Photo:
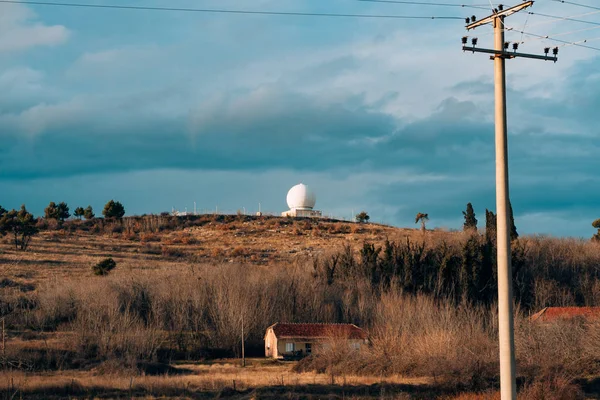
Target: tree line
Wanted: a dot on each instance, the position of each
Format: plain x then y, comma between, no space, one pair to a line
464,269
22,225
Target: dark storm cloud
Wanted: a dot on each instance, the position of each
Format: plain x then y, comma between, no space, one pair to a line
553,150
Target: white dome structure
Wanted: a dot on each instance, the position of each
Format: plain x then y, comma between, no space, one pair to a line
301,201
301,197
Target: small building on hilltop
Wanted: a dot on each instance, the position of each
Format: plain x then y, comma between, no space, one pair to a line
283,340
551,314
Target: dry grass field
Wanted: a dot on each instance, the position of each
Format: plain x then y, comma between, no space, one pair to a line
60,254
215,379
159,324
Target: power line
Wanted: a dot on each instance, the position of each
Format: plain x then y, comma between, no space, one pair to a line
565,42
566,18
560,19
577,4
562,33
221,11
420,3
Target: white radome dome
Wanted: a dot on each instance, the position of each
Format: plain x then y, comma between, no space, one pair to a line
300,196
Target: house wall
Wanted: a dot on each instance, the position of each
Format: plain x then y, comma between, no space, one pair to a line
271,344
300,344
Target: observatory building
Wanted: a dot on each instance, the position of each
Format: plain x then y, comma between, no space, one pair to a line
301,201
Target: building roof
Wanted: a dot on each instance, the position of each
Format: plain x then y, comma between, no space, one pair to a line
554,313
318,331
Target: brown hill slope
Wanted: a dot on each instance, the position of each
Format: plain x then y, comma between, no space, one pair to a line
157,243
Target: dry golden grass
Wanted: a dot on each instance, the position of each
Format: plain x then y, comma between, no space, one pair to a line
195,378
190,280
54,255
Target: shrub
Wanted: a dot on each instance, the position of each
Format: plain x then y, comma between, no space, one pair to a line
362,217
104,266
150,249
217,252
555,387
172,252
238,252
149,237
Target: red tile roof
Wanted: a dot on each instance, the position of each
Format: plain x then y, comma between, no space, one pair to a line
554,313
350,331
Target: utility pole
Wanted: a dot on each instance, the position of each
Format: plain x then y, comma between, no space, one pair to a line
500,53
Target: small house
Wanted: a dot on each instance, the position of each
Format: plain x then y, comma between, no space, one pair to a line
289,341
550,314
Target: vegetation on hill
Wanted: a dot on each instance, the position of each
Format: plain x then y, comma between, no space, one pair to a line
427,299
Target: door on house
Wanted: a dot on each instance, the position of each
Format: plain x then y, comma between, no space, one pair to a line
308,348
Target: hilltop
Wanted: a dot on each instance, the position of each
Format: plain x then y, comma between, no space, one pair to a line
167,242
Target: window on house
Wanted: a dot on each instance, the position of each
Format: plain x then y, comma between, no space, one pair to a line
308,347
289,347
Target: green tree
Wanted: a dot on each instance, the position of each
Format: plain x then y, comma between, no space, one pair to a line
595,224
470,272
88,213
79,212
51,212
113,209
104,266
362,217
423,218
514,235
470,220
490,225
21,224
63,211
2,211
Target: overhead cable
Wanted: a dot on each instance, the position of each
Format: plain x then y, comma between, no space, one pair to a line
565,18
577,4
559,34
560,19
420,3
225,11
565,42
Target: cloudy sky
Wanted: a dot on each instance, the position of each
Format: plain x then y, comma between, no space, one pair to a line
161,109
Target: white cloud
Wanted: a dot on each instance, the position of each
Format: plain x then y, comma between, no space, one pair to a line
43,117
20,79
19,30
124,61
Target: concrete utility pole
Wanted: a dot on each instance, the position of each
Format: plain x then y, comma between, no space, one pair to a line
508,387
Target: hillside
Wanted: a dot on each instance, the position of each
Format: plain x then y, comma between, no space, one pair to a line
184,288
171,243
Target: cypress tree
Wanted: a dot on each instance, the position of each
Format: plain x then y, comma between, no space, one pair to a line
490,225
470,220
513,229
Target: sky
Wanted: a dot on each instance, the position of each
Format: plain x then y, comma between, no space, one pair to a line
163,109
